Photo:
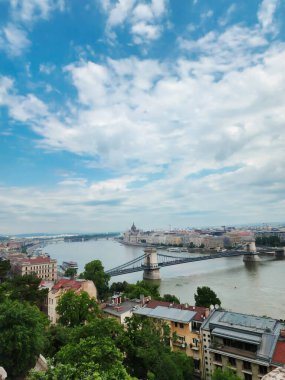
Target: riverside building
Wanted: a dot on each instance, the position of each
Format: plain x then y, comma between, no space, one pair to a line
244,343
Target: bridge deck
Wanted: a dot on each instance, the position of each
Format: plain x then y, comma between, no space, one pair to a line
170,260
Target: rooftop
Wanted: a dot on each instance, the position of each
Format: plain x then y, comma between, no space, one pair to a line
167,313
118,310
68,284
200,312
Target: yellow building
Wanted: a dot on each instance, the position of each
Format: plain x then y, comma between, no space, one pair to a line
62,287
184,322
42,266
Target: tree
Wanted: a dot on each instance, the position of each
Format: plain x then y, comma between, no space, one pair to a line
227,374
22,336
94,358
142,287
170,298
5,266
75,309
70,272
26,288
95,271
206,297
119,287
148,353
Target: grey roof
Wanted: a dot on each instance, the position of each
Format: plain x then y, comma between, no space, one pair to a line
250,321
170,314
237,335
120,309
262,331
267,346
244,322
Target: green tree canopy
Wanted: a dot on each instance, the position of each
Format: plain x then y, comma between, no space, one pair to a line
70,272
205,297
5,266
142,287
22,336
26,288
75,309
170,298
227,374
95,271
148,354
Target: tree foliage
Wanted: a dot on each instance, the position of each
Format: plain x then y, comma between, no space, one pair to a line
5,266
142,287
270,241
22,336
227,374
75,309
170,298
70,272
95,271
205,297
148,354
26,288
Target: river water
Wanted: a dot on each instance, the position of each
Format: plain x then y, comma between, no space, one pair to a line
253,288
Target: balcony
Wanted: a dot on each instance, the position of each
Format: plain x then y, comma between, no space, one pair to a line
232,350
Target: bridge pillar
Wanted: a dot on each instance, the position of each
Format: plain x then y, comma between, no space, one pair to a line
280,253
251,255
151,268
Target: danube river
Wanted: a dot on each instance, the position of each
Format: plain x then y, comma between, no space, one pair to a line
253,288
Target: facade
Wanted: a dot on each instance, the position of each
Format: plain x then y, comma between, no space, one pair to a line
243,343
61,287
184,322
43,266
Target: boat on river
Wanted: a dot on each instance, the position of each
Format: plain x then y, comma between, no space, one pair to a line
69,264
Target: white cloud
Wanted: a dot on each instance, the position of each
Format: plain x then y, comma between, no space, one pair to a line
143,19
13,40
31,10
23,14
47,68
182,135
266,14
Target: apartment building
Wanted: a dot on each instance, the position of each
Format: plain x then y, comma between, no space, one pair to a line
42,266
61,287
243,343
184,322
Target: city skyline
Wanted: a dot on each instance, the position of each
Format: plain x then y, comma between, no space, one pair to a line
152,111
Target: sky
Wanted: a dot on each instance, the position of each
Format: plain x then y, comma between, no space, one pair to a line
166,113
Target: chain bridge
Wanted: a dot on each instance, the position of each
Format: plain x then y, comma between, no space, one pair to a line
151,261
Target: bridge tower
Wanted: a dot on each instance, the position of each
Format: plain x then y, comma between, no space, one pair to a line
151,268
251,253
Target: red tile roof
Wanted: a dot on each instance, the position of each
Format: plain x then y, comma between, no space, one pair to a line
201,312
67,284
279,353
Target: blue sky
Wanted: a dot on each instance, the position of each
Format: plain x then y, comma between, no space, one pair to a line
160,112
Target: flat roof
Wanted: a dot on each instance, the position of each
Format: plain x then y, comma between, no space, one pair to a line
120,309
236,335
250,321
167,313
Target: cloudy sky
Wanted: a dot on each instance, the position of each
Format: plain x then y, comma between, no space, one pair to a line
161,112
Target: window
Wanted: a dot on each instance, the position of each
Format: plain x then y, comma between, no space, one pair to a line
181,325
247,376
246,365
196,363
232,362
218,358
175,324
262,370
